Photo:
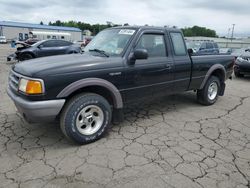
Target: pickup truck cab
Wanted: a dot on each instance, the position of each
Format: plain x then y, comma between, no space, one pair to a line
119,66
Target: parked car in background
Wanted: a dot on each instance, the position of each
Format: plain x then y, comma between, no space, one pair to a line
86,40
45,48
31,41
83,42
225,50
3,40
79,42
238,52
242,64
203,47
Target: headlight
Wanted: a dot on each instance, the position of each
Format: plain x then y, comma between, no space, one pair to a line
30,86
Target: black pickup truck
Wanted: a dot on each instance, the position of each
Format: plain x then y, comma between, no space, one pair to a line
85,92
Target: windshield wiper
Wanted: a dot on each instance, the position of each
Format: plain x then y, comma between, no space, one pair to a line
99,51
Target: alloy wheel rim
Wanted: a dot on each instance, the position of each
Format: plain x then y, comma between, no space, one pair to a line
212,91
89,120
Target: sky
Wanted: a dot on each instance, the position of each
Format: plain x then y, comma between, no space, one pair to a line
214,14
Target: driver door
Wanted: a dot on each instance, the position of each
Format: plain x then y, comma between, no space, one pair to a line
152,76
47,48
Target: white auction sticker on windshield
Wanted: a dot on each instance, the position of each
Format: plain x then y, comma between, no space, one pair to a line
126,32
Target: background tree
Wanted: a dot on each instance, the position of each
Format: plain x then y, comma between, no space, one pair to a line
199,31
96,28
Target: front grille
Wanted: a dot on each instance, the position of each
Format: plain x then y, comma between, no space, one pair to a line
13,80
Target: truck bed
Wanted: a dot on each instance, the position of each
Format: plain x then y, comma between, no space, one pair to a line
201,65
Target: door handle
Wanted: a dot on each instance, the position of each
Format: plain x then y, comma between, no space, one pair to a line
168,66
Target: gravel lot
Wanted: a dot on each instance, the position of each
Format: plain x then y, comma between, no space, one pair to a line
172,142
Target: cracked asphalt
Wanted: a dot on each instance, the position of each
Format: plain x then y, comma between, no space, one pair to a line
171,142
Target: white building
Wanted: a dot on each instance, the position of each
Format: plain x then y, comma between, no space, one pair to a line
22,31
87,32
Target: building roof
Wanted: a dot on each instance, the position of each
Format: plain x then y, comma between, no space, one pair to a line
37,26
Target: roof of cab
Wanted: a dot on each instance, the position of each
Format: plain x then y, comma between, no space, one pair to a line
148,27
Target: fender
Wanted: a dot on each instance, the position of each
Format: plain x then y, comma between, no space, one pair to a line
29,52
211,70
118,103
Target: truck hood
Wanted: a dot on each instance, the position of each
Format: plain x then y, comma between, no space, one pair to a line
60,64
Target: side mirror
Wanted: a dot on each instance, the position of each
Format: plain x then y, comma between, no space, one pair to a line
190,51
141,54
40,46
138,54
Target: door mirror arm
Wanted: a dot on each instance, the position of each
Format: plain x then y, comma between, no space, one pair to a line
137,54
190,51
131,59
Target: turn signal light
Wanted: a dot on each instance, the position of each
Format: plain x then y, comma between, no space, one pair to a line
30,86
34,87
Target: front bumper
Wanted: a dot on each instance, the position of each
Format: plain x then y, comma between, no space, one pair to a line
12,57
37,111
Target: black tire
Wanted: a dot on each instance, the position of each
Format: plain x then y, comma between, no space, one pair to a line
26,56
203,94
238,74
71,116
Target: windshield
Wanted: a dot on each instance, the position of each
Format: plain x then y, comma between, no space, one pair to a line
110,41
2,37
193,45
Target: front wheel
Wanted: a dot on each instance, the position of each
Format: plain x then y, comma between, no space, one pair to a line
85,118
26,56
209,94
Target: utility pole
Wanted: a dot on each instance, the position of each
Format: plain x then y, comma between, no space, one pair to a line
229,29
232,33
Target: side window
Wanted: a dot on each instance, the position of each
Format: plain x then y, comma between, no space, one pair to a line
216,45
20,36
50,43
178,43
26,36
154,44
64,43
203,46
209,45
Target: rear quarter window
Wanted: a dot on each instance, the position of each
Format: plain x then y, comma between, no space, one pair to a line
63,43
178,44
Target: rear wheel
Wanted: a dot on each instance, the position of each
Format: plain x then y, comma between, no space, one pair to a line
85,118
24,57
209,94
